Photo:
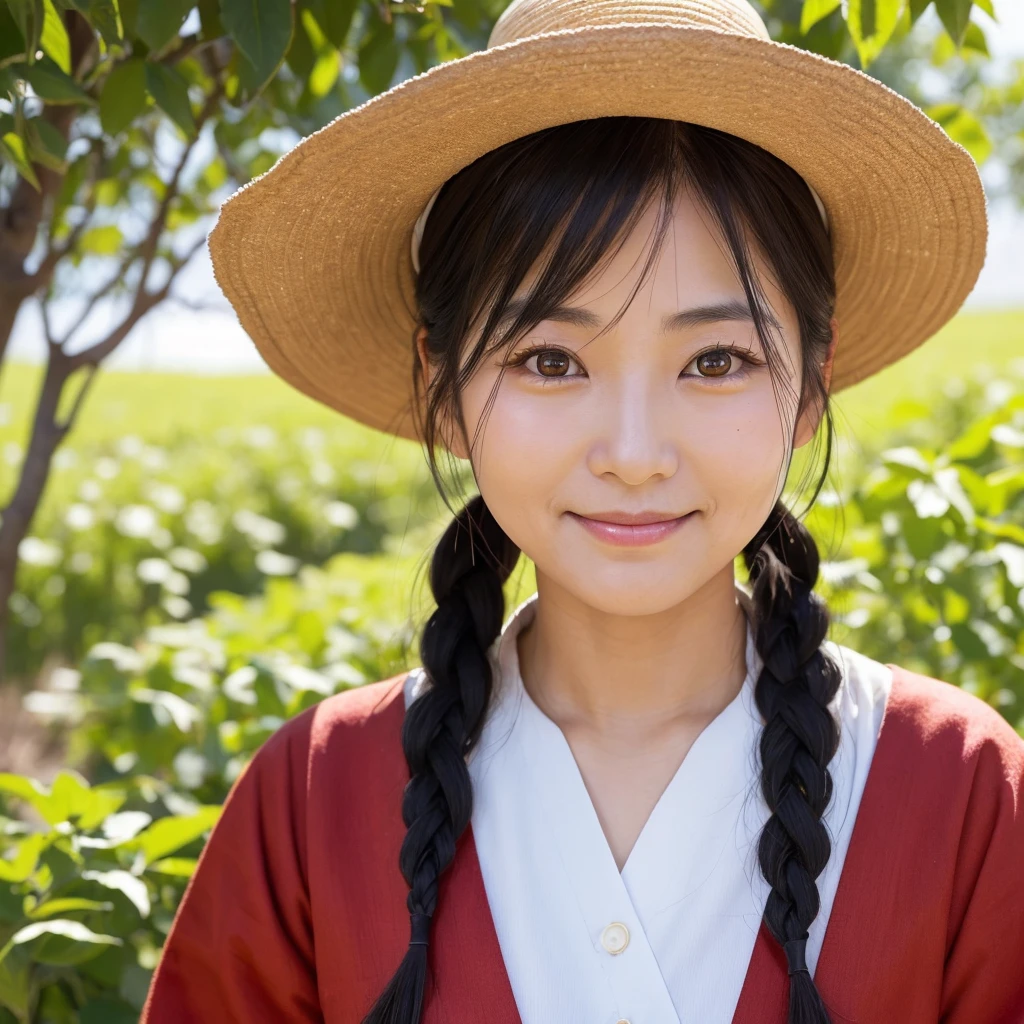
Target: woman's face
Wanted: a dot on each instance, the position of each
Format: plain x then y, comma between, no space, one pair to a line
651,416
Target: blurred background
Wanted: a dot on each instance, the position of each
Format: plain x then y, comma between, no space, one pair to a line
191,552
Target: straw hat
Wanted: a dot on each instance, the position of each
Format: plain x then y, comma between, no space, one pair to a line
315,255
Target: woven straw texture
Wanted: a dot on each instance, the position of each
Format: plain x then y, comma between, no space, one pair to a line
314,255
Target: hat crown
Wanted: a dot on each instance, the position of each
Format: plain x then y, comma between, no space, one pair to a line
531,17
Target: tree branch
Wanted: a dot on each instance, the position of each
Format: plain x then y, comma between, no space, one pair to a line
144,302
146,251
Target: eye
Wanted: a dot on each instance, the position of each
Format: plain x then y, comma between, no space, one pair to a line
545,362
714,364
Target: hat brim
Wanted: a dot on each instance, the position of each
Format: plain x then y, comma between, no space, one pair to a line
314,254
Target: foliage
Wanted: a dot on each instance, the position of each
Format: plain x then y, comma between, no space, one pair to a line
88,889
145,532
932,571
191,702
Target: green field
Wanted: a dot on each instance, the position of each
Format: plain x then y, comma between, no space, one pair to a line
157,407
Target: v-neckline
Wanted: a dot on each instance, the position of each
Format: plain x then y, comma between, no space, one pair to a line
711,786
730,728
730,732
471,940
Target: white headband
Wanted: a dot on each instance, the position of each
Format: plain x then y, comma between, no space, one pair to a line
417,231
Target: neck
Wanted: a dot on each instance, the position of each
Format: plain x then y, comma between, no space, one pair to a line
634,676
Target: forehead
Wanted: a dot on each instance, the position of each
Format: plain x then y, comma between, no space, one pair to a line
694,266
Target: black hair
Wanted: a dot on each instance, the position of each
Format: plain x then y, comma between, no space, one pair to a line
562,199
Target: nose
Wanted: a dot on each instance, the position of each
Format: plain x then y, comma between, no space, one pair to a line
635,437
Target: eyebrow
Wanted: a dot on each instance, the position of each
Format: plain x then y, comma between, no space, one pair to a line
731,309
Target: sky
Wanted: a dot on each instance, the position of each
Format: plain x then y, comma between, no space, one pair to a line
211,340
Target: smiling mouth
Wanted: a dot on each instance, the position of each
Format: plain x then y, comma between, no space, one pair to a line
631,534
631,518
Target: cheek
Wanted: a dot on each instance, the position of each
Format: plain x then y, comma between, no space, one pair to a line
738,455
522,457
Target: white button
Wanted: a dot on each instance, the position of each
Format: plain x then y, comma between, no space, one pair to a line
615,937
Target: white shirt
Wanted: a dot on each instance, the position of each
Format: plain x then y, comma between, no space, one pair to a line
669,940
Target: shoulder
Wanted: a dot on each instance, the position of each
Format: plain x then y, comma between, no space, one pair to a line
953,759
952,723
928,720
360,725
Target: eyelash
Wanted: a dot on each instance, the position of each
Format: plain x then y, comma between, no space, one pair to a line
520,358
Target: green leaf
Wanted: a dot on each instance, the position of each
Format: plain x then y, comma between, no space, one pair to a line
813,11
944,48
54,38
159,21
917,8
16,981
104,16
68,905
974,39
955,16
324,74
262,30
106,1011
986,6
62,942
209,18
12,44
104,240
179,867
71,796
871,24
23,788
21,866
378,58
963,127
124,95
29,16
335,18
170,91
51,83
301,55
14,146
46,144
130,885
170,834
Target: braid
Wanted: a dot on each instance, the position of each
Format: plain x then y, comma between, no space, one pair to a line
441,727
793,691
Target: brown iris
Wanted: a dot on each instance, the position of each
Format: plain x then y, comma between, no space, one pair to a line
550,359
714,363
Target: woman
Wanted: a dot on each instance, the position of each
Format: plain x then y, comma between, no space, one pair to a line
653,795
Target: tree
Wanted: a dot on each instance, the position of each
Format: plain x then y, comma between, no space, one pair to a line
128,121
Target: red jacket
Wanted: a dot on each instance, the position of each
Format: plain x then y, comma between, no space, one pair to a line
296,912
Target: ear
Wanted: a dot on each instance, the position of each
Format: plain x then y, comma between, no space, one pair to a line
451,436
811,416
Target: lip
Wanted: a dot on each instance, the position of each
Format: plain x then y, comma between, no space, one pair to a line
631,529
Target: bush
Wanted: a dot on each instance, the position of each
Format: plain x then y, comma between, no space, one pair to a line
931,574
137,533
90,876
